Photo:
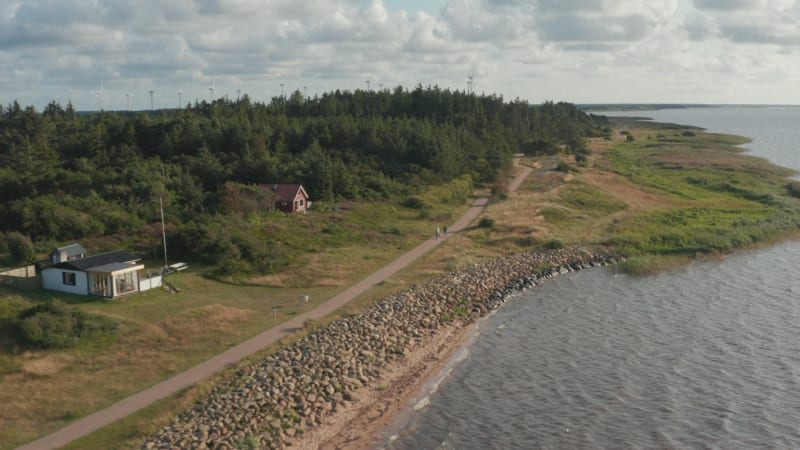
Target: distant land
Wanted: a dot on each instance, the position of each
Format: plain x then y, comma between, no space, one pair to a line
656,106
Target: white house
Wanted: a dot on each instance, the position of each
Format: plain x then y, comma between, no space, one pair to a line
68,253
109,274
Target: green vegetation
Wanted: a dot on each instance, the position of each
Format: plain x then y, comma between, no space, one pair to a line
486,222
20,248
403,163
723,200
55,325
98,178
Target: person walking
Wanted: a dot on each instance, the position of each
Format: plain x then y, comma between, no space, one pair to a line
445,231
437,231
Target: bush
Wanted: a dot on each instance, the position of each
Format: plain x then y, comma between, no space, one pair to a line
794,188
554,244
53,325
563,167
486,222
20,247
415,202
630,138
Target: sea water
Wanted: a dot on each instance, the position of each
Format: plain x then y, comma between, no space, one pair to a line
704,357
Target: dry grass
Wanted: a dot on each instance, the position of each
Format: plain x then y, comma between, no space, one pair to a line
165,334
161,334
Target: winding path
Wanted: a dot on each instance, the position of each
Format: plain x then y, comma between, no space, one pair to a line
183,380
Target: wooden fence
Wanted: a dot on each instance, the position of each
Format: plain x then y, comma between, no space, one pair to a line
22,278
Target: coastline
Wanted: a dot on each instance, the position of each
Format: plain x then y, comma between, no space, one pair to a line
342,385
368,422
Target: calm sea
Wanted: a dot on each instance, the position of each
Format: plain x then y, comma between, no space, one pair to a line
705,357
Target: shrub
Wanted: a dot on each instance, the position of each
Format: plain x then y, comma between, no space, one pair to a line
414,202
54,325
630,138
554,244
794,188
688,134
563,167
486,222
20,247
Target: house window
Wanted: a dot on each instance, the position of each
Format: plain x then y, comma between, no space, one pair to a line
126,282
302,202
68,278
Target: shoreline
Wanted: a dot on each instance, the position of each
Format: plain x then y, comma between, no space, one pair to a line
343,385
370,422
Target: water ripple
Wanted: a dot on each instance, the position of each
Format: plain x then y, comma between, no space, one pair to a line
704,357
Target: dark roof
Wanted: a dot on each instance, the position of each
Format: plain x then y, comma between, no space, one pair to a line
98,260
115,267
72,250
286,192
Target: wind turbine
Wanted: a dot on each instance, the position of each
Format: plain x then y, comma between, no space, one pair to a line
100,97
237,94
128,97
368,80
151,99
212,88
470,83
180,96
282,98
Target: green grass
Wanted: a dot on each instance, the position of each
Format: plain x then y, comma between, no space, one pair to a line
162,334
586,201
725,200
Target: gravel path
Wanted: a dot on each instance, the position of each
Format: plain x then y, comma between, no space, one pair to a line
125,407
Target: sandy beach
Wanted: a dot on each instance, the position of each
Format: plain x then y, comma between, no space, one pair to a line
362,424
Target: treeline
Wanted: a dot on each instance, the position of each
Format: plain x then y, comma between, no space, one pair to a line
66,175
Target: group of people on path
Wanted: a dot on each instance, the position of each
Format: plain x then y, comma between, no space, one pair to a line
441,232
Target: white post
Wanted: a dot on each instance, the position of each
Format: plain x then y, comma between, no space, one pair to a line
163,229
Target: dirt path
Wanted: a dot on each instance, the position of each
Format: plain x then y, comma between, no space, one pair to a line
93,422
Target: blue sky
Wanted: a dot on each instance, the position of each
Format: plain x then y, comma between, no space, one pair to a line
585,51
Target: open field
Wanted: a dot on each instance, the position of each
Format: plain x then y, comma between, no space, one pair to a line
160,334
672,194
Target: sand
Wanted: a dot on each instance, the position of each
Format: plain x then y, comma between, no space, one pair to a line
362,424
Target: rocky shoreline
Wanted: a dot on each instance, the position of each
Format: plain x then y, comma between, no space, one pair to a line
272,402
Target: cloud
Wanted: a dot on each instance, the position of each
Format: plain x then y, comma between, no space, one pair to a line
765,22
70,45
593,29
727,5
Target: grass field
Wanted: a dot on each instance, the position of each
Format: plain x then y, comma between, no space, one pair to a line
673,194
160,334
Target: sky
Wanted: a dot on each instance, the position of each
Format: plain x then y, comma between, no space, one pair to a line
581,51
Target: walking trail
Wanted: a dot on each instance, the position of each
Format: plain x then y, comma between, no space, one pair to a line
130,405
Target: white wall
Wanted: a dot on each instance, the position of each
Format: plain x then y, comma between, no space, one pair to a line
149,283
53,279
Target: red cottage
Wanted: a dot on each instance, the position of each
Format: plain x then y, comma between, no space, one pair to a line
289,197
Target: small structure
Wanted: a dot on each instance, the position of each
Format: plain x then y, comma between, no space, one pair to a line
110,274
177,267
68,253
289,197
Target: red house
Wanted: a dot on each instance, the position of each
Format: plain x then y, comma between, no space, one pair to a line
289,197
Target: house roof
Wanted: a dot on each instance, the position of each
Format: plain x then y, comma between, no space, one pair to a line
71,250
117,267
287,192
116,256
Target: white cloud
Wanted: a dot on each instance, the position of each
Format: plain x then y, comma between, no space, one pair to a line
579,50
